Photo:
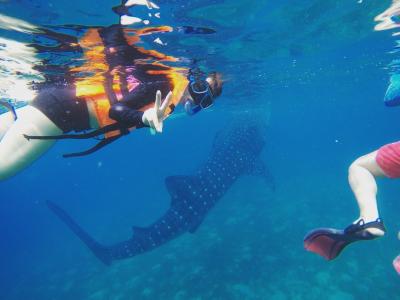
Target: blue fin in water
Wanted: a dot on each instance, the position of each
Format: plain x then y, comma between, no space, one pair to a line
392,96
260,169
195,225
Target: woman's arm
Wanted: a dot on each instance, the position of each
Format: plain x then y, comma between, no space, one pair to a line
126,116
152,117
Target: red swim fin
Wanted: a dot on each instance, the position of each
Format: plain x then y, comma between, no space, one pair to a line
326,242
396,264
329,242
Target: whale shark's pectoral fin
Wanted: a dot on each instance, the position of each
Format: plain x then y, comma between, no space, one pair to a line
180,187
195,225
260,169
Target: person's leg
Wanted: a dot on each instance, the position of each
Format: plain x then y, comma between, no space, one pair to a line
362,173
330,242
16,152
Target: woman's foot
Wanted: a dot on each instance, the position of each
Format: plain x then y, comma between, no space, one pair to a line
367,229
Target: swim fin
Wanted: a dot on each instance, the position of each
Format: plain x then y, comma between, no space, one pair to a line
392,96
396,264
329,242
100,251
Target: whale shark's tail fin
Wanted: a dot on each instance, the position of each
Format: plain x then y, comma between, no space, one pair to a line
100,251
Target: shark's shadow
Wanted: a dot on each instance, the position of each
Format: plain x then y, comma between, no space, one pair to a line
235,152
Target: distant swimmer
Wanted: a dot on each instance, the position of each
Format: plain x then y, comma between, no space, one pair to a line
124,94
384,162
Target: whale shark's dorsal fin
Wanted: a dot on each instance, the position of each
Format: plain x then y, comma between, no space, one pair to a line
139,231
179,187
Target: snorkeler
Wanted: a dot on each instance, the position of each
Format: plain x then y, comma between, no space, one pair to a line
112,102
384,162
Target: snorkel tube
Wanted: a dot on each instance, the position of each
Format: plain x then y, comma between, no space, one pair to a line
10,107
191,108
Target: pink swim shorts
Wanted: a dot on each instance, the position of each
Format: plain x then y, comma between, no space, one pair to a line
388,158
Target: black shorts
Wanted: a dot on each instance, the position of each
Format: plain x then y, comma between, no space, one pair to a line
63,108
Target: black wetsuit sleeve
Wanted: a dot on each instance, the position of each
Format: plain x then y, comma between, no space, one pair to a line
126,111
126,116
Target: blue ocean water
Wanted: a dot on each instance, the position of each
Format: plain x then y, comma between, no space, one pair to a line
317,68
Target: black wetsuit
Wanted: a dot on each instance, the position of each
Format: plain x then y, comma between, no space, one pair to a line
63,108
70,113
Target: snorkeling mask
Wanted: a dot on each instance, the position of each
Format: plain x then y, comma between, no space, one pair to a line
201,93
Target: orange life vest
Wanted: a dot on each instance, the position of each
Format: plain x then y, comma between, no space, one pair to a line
93,88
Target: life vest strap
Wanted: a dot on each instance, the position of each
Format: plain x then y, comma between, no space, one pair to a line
97,147
92,134
79,136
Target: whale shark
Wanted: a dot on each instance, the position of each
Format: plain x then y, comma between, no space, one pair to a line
235,152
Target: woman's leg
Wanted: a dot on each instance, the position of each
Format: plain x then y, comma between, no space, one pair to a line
362,173
16,152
